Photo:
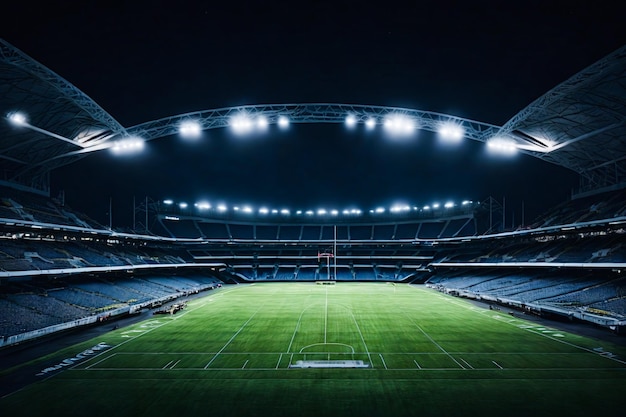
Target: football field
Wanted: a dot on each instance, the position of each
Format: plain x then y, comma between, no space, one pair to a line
350,349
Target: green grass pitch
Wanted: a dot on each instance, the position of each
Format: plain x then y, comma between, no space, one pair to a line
232,353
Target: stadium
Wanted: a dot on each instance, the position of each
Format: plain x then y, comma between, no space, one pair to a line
442,308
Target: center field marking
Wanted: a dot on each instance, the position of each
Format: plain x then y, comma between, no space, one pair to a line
326,314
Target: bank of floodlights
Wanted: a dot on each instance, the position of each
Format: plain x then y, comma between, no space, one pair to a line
127,146
502,146
451,132
399,125
190,129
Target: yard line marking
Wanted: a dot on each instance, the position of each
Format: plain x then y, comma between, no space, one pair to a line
382,359
279,359
244,365
362,339
465,362
496,363
511,322
438,345
417,364
232,338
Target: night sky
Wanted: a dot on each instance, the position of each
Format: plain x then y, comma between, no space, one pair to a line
479,60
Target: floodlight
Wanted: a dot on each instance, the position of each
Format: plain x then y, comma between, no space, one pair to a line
299,212
274,211
222,208
263,210
128,146
345,211
236,208
310,212
247,209
426,208
203,205
190,129
501,146
261,122
451,132
380,210
370,123
285,211
399,124
436,205
168,202
466,202
321,212
283,122
241,123
334,212
17,118
350,121
182,205
449,204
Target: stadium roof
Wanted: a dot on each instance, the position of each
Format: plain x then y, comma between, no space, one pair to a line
580,124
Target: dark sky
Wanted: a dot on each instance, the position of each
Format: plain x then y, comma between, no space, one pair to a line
479,60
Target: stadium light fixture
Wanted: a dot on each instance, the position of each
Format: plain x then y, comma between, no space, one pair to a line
283,122
321,212
466,202
246,209
399,125
426,208
436,205
241,123
350,121
310,212
222,208
451,132
379,210
182,205
190,129
274,211
501,146
168,202
261,122
203,205
370,124
285,212
334,212
17,118
264,210
127,146
20,119
449,205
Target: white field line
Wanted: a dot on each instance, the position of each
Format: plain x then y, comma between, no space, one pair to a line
362,339
417,364
279,359
143,333
511,322
167,364
438,345
174,364
382,359
232,338
497,364
245,363
465,362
